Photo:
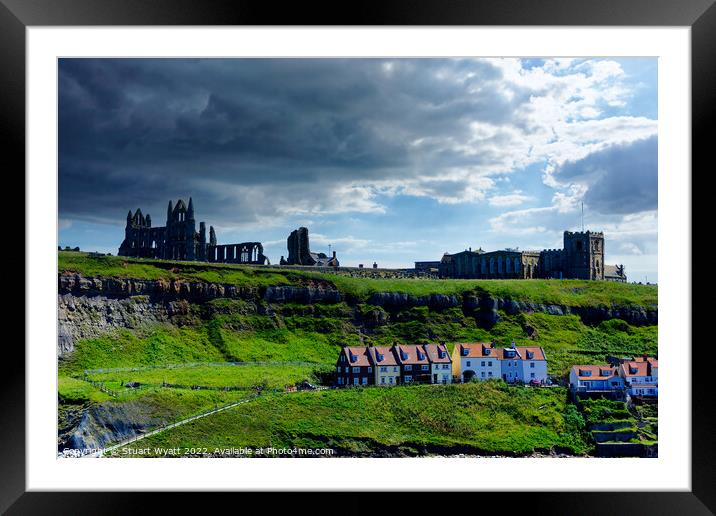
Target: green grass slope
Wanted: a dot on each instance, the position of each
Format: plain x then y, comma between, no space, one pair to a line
487,417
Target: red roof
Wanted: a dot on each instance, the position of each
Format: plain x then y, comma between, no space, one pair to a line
434,356
360,353
384,352
633,368
651,360
596,371
475,349
478,350
410,352
537,353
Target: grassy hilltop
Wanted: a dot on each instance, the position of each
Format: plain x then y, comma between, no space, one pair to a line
566,292
183,366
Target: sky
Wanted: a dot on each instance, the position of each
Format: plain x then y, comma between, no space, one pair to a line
386,160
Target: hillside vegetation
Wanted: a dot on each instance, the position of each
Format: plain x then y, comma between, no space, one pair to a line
564,292
484,418
183,365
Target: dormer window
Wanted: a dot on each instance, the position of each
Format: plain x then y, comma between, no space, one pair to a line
465,352
487,351
421,355
583,372
530,354
441,353
380,357
403,355
354,358
606,372
633,370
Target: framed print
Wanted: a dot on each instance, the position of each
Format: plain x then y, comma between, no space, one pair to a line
418,253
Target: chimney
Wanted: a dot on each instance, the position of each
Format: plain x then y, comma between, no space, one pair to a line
493,343
513,344
334,255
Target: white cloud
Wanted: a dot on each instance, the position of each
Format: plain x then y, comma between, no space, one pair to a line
512,199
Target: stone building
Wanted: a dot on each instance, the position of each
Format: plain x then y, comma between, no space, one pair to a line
179,239
299,252
581,258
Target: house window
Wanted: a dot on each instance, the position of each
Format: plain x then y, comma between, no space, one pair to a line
482,363
338,369
408,368
532,375
489,363
390,380
383,369
355,381
489,373
425,367
356,369
532,365
483,374
370,369
395,369
340,381
382,379
408,379
365,380
446,366
467,363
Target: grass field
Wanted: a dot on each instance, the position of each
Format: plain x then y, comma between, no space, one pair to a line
486,417
275,376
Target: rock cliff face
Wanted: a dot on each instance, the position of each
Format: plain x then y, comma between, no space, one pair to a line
486,307
89,307
82,317
107,423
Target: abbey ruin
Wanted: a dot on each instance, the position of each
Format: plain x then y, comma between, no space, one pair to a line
179,239
299,252
582,256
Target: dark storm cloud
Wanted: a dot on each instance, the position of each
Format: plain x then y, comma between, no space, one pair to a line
254,134
622,179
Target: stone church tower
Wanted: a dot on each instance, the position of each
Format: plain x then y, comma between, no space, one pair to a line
584,255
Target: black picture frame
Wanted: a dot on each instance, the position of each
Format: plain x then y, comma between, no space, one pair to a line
17,15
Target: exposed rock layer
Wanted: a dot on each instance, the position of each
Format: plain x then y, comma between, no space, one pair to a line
89,307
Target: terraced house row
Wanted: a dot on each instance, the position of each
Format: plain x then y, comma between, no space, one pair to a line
393,365
636,377
431,363
485,361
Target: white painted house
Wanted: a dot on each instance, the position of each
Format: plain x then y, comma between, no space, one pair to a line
478,360
591,378
523,364
483,361
641,376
